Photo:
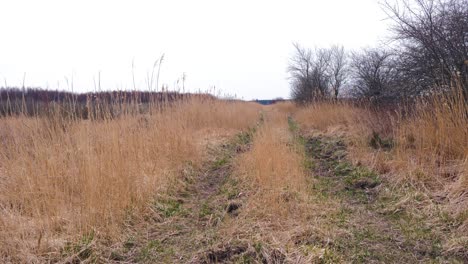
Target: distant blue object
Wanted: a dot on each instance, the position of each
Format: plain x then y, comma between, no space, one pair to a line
266,102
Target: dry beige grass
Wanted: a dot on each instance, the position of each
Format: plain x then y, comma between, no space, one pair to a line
274,168
434,140
354,123
430,144
431,153
279,208
286,107
327,114
62,179
275,182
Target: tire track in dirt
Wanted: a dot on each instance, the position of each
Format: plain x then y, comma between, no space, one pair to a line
272,176
184,223
189,223
369,232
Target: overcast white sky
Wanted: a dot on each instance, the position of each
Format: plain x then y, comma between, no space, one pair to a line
241,47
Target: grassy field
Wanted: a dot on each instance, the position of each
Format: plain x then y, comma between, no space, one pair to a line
203,180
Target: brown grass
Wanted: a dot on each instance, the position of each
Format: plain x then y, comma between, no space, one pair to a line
62,179
431,135
346,117
279,209
276,184
435,140
286,107
323,115
427,144
274,167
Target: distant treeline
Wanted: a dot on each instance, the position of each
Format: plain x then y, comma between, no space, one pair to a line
48,96
37,101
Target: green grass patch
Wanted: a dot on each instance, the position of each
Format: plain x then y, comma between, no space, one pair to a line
230,188
168,206
219,163
81,246
155,250
205,210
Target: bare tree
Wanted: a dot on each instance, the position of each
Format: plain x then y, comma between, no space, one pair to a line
432,41
299,69
374,73
310,74
321,73
338,69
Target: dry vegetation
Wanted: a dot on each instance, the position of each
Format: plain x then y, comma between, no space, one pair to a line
274,168
429,136
62,178
368,165
346,183
421,151
279,209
